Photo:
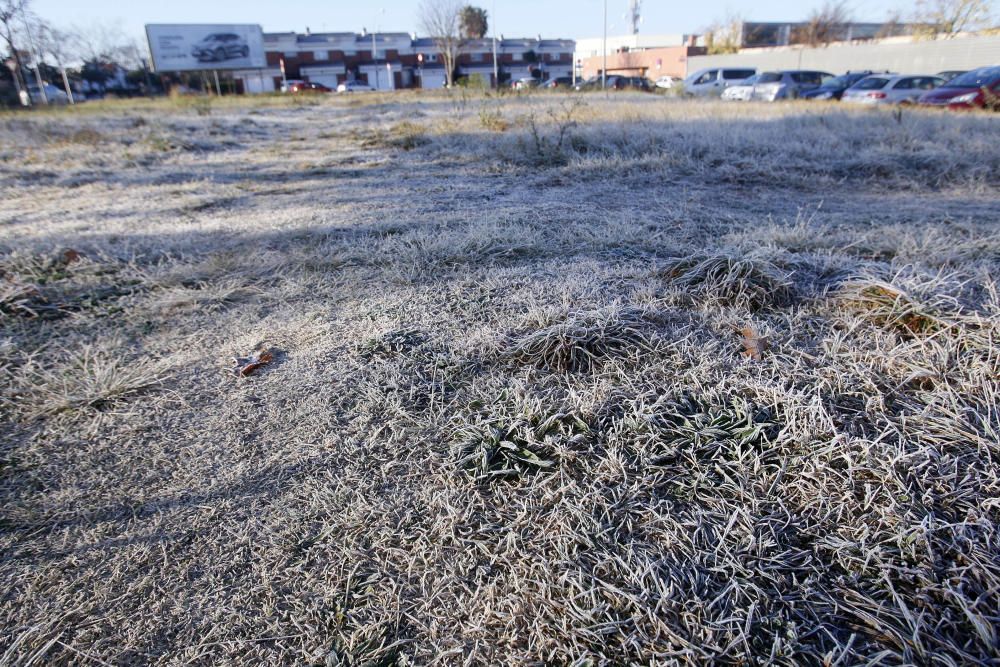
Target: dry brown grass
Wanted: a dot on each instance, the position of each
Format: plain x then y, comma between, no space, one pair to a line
508,418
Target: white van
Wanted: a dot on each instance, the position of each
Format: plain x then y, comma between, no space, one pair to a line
711,82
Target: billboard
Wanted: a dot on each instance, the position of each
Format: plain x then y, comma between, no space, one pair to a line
185,48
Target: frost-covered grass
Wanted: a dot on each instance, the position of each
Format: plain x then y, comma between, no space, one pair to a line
509,418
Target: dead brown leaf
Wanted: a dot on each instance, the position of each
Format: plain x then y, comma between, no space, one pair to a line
244,366
754,345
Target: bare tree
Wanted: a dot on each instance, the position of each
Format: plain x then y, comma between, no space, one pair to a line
107,42
893,26
57,44
12,11
825,24
950,17
441,20
725,35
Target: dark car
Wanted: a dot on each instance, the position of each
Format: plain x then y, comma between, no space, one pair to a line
628,83
833,89
950,74
305,87
979,88
559,82
220,46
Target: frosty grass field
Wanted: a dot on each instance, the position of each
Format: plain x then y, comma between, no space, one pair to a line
555,380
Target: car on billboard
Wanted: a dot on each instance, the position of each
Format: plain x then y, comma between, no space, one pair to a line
219,47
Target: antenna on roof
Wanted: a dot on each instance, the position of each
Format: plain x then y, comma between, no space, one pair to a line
634,15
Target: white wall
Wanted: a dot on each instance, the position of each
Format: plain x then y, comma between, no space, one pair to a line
257,81
385,79
324,75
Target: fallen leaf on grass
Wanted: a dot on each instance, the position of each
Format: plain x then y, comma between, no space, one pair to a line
68,256
244,366
754,345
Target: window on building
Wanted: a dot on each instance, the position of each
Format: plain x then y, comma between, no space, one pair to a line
291,54
476,57
321,55
518,56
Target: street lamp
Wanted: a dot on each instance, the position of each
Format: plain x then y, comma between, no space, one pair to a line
604,67
381,13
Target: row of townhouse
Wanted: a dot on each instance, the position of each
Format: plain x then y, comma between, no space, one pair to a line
392,60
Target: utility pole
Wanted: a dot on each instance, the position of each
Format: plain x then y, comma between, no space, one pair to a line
604,67
375,61
496,67
374,51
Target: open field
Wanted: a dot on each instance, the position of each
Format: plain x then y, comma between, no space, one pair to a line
622,381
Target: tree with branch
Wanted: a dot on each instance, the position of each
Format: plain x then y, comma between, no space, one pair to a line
474,22
825,24
724,35
56,43
10,12
441,20
950,17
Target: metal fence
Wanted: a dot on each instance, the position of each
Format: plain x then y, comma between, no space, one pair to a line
909,57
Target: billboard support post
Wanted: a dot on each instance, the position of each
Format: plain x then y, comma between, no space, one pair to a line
218,88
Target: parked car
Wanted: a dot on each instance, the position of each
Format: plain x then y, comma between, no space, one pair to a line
742,91
220,46
306,87
978,88
525,83
891,88
711,82
53,95
287,85
950,74
615,82
667,82
833,89
788,84
628,83
559,82
355,87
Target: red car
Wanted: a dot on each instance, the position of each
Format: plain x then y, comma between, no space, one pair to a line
979,88
308,87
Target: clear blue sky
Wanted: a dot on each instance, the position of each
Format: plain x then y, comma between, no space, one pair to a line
550,18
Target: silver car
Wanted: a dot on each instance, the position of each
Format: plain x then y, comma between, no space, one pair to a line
787,84
742,91
891,88
711,82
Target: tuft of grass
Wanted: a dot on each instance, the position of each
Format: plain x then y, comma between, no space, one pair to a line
735,281
405,135
392,343
584,340
889,307
25,300
699,431
205,295
512,443
91,378
493,120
